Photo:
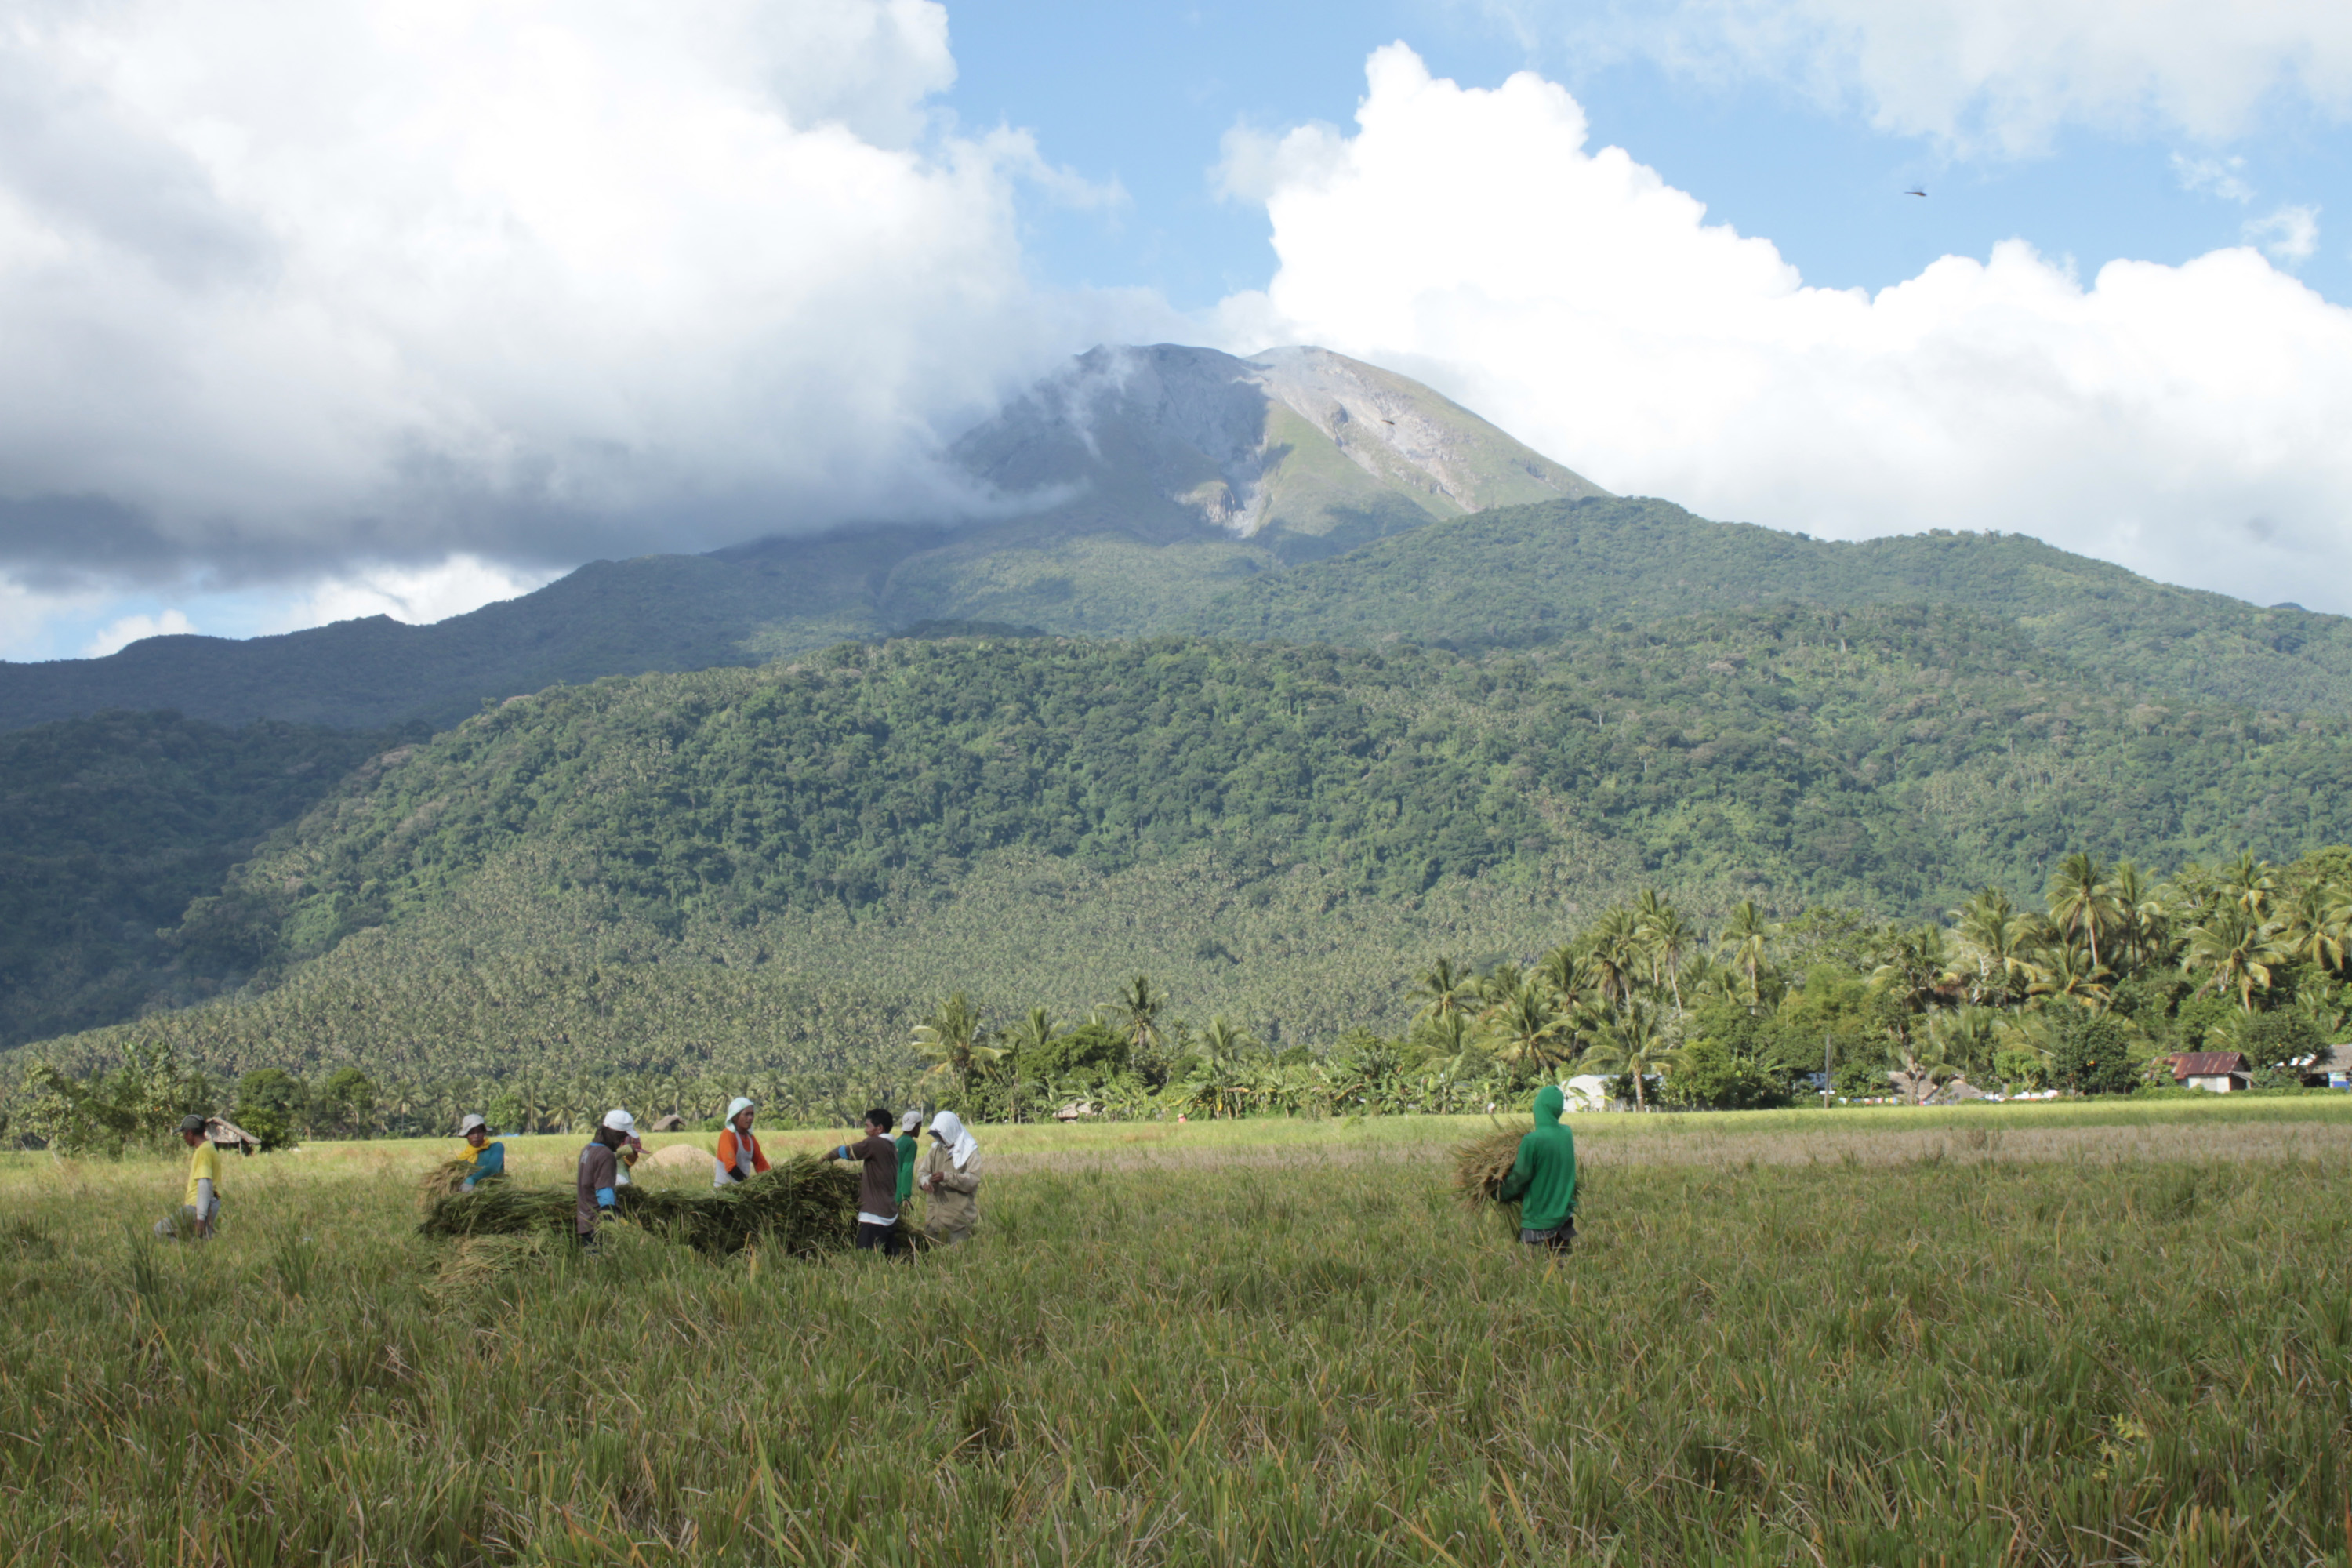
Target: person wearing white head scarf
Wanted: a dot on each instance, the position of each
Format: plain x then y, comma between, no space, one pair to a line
950,1179
740,1155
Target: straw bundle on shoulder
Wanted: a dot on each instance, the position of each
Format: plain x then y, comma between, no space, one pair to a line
1480,1164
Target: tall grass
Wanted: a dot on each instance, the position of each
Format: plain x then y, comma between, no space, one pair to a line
1941,1358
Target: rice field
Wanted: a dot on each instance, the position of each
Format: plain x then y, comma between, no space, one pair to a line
2023,1334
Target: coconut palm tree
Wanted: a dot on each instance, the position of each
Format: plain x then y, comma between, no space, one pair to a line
1997,938
1667,937
2081,903
1527,1030
1615,946
1917,971
1446,988
1563,972
2250,885
2139,917
1626,1039
2317,926
2067,972
1226,1042
954,1040
1135,1015
1966,1038
1745,938
2237,946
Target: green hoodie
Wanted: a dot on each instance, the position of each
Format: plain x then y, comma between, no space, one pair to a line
1543,1178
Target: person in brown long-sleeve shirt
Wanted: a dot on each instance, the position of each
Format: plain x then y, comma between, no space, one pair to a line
600,1174
878,1185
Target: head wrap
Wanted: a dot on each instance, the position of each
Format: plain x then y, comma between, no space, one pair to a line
961,1145
735,1108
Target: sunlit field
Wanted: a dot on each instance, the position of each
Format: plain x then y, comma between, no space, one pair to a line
2047,1333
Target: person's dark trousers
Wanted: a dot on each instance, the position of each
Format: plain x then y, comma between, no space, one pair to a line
1559,1238
885,1236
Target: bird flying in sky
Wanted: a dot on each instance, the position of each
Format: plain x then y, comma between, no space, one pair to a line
1914,191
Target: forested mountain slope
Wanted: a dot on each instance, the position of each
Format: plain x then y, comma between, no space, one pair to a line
1524,576
109,826
1274,832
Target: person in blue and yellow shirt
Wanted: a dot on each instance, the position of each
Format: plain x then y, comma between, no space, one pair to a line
489,1155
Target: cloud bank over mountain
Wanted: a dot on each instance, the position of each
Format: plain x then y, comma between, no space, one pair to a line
342,290
2175,419
366,305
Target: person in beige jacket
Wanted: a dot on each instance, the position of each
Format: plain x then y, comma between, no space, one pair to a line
948,1178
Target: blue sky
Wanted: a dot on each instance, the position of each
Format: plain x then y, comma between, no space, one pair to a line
408,305
1143,94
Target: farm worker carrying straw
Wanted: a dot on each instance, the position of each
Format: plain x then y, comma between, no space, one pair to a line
878,1185
200,1205
909,1126
488,1156
950,1177
1543,1178
740,1155
600,1173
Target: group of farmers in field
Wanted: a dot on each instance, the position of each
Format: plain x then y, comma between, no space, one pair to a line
893,1169
894,1166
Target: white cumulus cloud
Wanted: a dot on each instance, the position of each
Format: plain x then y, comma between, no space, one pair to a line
1994,75
308,293
2185,421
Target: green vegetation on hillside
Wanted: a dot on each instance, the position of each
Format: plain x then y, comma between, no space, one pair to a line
773,873
1511,578
1520,577
1893,758
109,826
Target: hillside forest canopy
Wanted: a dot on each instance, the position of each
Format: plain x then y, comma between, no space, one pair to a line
771,875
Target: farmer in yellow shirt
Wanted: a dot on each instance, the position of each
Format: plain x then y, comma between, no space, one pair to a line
200,1204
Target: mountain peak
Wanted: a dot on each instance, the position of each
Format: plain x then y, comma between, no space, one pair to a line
1295,440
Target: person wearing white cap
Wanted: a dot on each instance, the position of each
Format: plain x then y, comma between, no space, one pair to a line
740,1155
600,1173
950,1177
488,1156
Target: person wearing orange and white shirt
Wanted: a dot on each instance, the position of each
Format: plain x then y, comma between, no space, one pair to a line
740,1155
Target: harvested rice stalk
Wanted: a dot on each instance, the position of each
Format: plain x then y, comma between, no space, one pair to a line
1481,1164
443,1181
479,1262
803,1206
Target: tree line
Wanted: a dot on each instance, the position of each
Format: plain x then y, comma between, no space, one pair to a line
2091,991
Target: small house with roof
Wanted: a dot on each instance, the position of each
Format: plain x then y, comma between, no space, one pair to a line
2218,1072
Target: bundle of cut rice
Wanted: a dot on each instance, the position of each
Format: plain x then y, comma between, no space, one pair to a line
681,1157
443,1181
1480,1164
803,1206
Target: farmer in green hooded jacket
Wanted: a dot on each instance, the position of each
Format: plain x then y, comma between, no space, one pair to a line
1543,1178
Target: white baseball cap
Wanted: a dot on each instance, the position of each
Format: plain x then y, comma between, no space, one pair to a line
620,1121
